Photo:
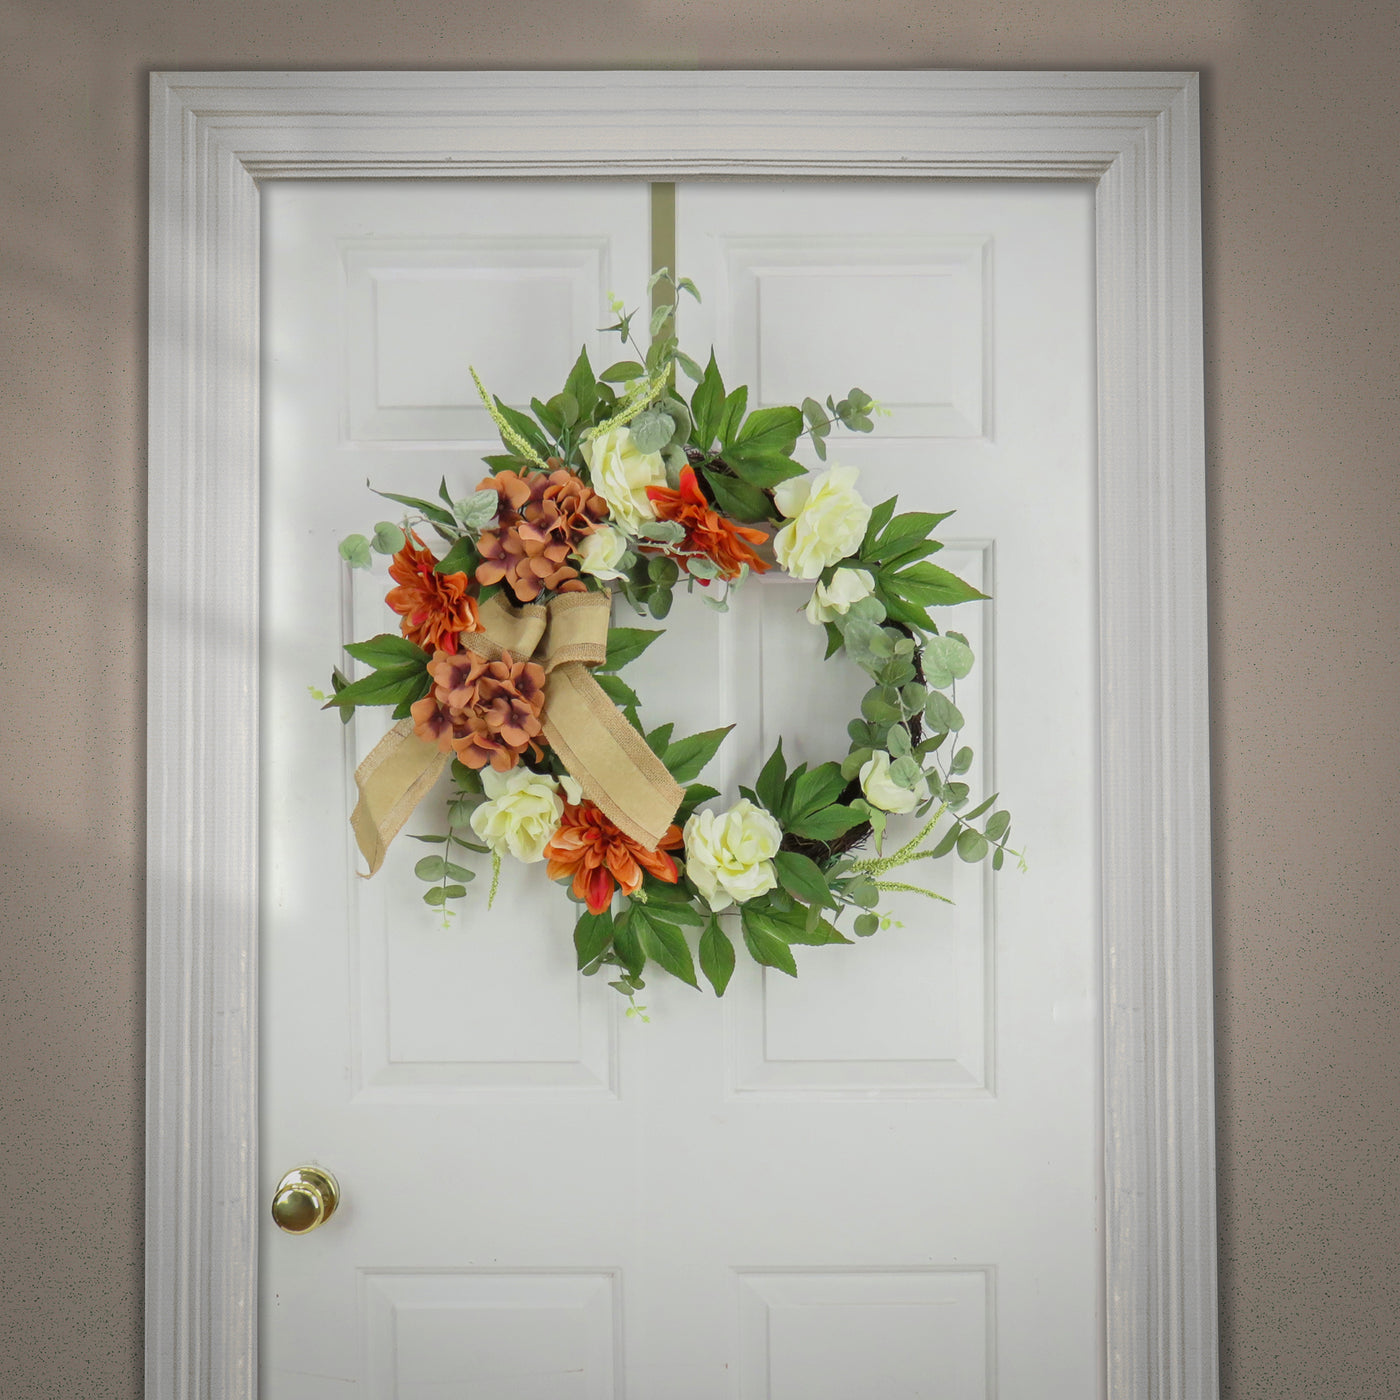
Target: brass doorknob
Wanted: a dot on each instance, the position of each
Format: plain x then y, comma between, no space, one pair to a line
306,1197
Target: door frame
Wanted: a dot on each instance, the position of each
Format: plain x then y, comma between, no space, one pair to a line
215,137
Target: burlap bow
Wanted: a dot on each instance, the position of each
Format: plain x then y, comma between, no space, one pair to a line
609,759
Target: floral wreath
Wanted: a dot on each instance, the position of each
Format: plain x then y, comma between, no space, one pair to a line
507,670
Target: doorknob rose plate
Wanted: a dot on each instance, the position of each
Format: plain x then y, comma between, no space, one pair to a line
305,1198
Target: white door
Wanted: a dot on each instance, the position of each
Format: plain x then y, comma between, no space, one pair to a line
880,1180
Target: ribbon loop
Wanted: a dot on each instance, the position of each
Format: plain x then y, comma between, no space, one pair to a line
602,752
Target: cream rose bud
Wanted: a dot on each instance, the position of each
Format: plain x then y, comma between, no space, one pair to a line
826,520
729,855
621,474
522,811
830,600
600,551
882,791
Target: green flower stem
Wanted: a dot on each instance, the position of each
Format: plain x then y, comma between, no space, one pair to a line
888,886
878,865
517,443
638,403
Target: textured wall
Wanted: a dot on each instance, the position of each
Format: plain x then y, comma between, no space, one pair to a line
1301,126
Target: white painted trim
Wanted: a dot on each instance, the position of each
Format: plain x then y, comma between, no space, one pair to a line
213,136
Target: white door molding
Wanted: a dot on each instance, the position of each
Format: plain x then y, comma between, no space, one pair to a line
213,137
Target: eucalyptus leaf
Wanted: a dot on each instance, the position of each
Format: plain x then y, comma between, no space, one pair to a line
388,538
354,549
943,714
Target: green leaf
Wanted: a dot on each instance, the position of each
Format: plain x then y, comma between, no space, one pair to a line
593,936
428,509
806,926
627,945
866,924
706,405
354,549
691,369
926,585
664,944
430,868
652,430
460,872
581,384
879,518
731,414
762,468
948,840
827,824
998,857
716,956
617,690
462,558
388,686
909,614
769,787
622,371
972,845
679,911
997,825
695,794
685,758
942,713
626,644
388,538
659,738
436,897
388,649
980,808
525,426
764,944
802,876
946,660
738,498
962,761
770,430
902,532
819,788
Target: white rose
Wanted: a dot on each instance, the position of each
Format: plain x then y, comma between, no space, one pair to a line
621,475
847,586
882,791
826,521
522,812
600,551
729,855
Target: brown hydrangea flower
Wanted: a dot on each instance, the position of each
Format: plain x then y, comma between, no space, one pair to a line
484,711
435,607
543,517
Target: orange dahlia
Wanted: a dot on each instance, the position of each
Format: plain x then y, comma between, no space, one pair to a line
436,607
707,532
600,857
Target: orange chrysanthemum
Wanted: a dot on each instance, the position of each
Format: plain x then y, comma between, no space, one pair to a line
436,608
707,532
599,856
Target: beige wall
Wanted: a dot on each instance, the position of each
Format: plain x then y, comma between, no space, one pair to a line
1301,129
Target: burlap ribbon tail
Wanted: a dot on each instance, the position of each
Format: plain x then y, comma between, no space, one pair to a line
602,752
